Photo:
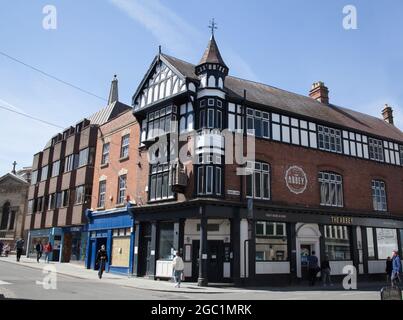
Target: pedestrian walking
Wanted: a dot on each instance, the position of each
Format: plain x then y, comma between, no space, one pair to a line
47,249
325,272
1,248
389,269
39,250
177,267
6,249
101,260
313,268
396,269
19,246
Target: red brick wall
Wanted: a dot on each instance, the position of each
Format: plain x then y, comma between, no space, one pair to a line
357,173
357,176
113,132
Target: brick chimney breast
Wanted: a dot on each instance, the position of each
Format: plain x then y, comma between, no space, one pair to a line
387,114
319,92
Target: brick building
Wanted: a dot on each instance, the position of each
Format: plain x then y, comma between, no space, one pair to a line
110,221
322,178
61,185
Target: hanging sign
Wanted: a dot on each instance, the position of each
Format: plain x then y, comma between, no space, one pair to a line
296,179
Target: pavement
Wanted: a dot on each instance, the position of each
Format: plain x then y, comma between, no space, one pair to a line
79,271
17,280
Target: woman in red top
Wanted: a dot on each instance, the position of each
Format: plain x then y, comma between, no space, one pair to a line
48,250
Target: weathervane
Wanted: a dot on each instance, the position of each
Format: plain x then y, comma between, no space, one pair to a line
213,26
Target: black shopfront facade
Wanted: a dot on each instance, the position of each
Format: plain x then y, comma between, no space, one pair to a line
264,246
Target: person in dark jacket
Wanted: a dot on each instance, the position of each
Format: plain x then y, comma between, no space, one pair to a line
39,250
1,248
102,259
325,272
19,246
388,269
313,268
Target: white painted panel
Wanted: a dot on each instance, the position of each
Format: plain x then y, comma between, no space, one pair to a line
188,269
210,92
227,269
361,269
273,267
376,266
337,266
164,269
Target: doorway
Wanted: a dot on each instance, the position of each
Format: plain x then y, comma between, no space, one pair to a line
215,256
305,251
144,257
308,240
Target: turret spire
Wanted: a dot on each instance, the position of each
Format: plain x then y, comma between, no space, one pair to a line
113,94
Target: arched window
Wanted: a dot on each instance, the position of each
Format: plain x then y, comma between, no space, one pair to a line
5,216
220,83
211,81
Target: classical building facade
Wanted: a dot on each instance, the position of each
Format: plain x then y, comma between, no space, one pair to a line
61,185
13,200
321,178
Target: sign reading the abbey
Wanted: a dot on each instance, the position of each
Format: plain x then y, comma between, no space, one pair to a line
296,180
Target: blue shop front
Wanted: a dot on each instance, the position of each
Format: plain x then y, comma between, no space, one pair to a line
114,229
52,235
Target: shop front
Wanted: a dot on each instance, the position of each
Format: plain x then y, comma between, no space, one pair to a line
270,245
74,243
285,238
114,230
203,232
43,236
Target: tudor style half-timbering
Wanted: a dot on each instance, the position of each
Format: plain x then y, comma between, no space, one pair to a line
324,178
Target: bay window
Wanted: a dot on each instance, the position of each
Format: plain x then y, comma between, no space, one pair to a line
209,174
186,117
160,182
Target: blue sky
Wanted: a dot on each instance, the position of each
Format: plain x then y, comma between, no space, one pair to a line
287,44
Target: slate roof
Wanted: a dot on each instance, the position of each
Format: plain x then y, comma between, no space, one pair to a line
108,113
212,53
268,96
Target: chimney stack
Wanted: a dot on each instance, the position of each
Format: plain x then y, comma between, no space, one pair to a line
387,113
319,92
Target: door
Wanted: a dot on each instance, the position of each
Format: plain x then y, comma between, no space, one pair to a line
215,256
305,251
215,261
144,258
67,242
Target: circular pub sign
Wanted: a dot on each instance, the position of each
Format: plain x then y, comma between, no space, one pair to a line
296,180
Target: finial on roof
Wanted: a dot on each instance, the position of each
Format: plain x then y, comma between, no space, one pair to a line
14,165
212,26
113,94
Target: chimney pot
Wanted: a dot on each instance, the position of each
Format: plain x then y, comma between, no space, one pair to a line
319,92
387,114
